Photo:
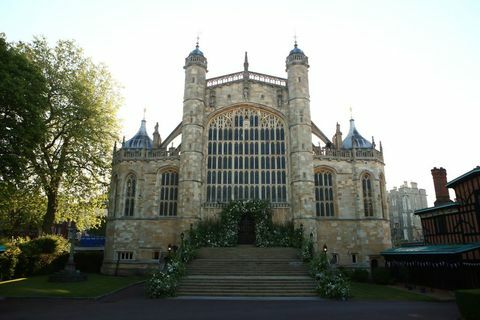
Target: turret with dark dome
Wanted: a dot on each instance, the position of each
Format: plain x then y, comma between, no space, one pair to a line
355,140
297,56
140,140
196,57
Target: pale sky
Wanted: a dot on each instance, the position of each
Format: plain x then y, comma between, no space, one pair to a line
410,70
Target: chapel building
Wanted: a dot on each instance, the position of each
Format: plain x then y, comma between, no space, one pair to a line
244,136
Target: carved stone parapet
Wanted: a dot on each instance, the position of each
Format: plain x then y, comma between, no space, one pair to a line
142,154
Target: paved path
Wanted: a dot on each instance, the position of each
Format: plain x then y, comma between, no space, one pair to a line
131,304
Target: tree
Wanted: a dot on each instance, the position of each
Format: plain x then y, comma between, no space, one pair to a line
22,105
72,161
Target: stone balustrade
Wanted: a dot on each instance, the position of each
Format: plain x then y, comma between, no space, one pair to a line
341,154
144,154
234,77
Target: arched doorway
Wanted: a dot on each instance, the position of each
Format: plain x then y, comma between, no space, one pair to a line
246,230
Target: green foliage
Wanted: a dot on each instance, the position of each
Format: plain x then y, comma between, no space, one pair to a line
333,285
223,232
89,261
8,262
164,283
21,209
319,263
307,250
22,105
72,161
43,255
468,302
382,276
331,282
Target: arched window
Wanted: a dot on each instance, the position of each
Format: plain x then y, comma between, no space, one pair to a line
246,164
168,193
130,190
367,195
324,193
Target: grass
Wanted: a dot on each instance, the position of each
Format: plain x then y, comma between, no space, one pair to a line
369,291
38,286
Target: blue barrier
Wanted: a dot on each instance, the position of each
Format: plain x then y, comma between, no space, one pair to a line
92,241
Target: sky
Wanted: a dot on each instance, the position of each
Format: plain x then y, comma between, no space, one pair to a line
409,70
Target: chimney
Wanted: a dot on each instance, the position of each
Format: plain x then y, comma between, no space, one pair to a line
440,182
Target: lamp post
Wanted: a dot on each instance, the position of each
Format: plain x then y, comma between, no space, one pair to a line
325,249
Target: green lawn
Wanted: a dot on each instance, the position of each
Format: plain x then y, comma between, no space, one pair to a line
369,291
39,286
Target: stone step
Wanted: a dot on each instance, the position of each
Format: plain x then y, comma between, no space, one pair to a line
247,252
247,271
247,293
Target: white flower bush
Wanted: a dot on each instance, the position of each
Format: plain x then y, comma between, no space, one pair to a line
331,283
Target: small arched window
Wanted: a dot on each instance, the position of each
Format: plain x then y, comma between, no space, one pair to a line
130,190
168,193
367,195
324,193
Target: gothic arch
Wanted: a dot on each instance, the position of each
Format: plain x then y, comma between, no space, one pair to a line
367,191
130,192
246,154
167,188
326,204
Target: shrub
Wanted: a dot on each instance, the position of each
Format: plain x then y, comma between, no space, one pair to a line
43,255
333,285
359,275
164,283
8,262
161,284
468,301
318,264
89,261
307,250
381,276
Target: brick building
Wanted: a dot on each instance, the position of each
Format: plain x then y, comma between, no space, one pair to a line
450,256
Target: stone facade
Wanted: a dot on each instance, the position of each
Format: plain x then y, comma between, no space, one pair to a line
403,201
245,136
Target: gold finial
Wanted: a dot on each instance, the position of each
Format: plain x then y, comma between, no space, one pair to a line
198,40
295,39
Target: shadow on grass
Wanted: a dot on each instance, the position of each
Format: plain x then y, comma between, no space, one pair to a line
38,286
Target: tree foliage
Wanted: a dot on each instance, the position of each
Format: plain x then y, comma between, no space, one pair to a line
70,161
73,161
22,105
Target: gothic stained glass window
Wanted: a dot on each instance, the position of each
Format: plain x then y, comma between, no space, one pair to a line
367,195
169,193
130,195
256,155
324,193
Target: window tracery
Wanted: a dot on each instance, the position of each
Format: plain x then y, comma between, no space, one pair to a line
246,156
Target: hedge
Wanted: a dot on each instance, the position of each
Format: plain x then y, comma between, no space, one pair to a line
468,302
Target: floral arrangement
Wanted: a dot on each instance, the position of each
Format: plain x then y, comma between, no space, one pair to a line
331,283
223,232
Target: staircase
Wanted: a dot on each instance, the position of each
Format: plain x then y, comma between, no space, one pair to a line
247,271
